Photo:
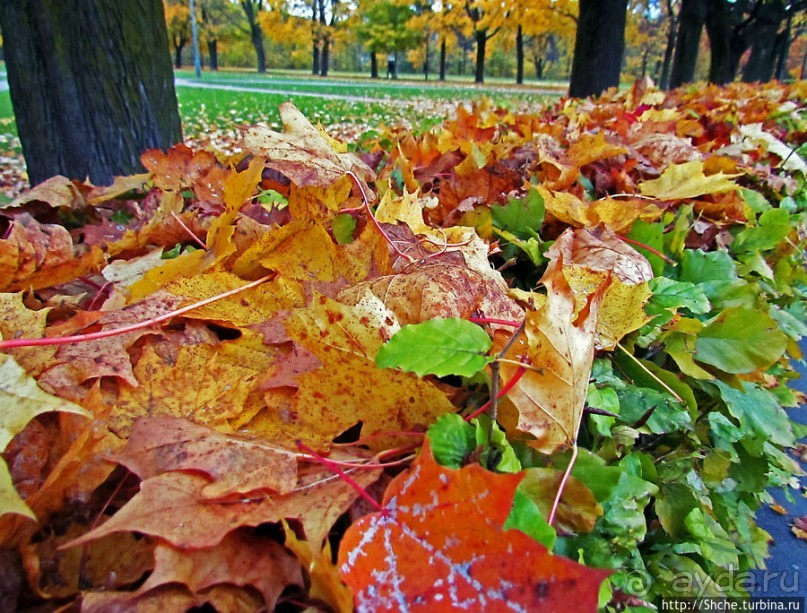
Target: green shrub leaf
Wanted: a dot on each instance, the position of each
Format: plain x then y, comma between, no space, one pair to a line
439,347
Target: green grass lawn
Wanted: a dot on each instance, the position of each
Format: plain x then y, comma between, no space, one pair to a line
414,102
347,105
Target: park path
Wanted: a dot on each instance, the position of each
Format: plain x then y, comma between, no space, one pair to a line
386,99
180,82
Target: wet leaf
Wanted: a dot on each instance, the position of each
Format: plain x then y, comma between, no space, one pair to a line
456,523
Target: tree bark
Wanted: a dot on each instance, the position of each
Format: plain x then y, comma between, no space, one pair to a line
765,36
178,47
519,55
251,9
213,52
481,37
599,46
691,21
91,84
325,57
373,65
664,81
719,27
443,54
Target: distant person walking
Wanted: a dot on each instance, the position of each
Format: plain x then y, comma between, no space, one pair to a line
391,68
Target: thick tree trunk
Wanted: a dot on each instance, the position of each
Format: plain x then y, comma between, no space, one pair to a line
257,42
691,21
315,57
762,61
598,48
213,53
325,57
722,64
255,33
481,37
91,84
443,55
373,65
784,48
519,55
664,80
178,47
539,69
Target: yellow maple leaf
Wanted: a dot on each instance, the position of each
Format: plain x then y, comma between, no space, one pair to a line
687,180
21,399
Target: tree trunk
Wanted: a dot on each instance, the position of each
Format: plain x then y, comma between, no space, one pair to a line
762,61
664,80
315,57
251,9
539,69
443,54
426,58
481,37
324,58
599,45
373,65
91,84
784,48
178,47
691,22
519,55
722,65
213,52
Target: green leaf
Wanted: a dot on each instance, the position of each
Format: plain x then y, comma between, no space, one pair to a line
527,517
343,226
121,217
497,452
740,340
774,226
758,412
755,200
452,439
716,273
523,216
673,503
652,235
714,542
439,347
667,414
672,295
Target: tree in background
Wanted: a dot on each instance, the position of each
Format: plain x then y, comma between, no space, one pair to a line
252,9
382,26
546,27
486,17
178,22
91,84
734,27
216,19
599,45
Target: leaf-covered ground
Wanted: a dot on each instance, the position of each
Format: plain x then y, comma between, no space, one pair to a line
522,360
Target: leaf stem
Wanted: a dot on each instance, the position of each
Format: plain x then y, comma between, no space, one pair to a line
655,252
562,485
650,373
377,225
502,392
94,336
493,320
331,464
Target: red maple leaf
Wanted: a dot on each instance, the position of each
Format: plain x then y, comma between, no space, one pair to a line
439,545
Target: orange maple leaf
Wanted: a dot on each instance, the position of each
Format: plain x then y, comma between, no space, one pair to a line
439,545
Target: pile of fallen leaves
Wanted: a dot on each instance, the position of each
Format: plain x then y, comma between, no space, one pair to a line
534,361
